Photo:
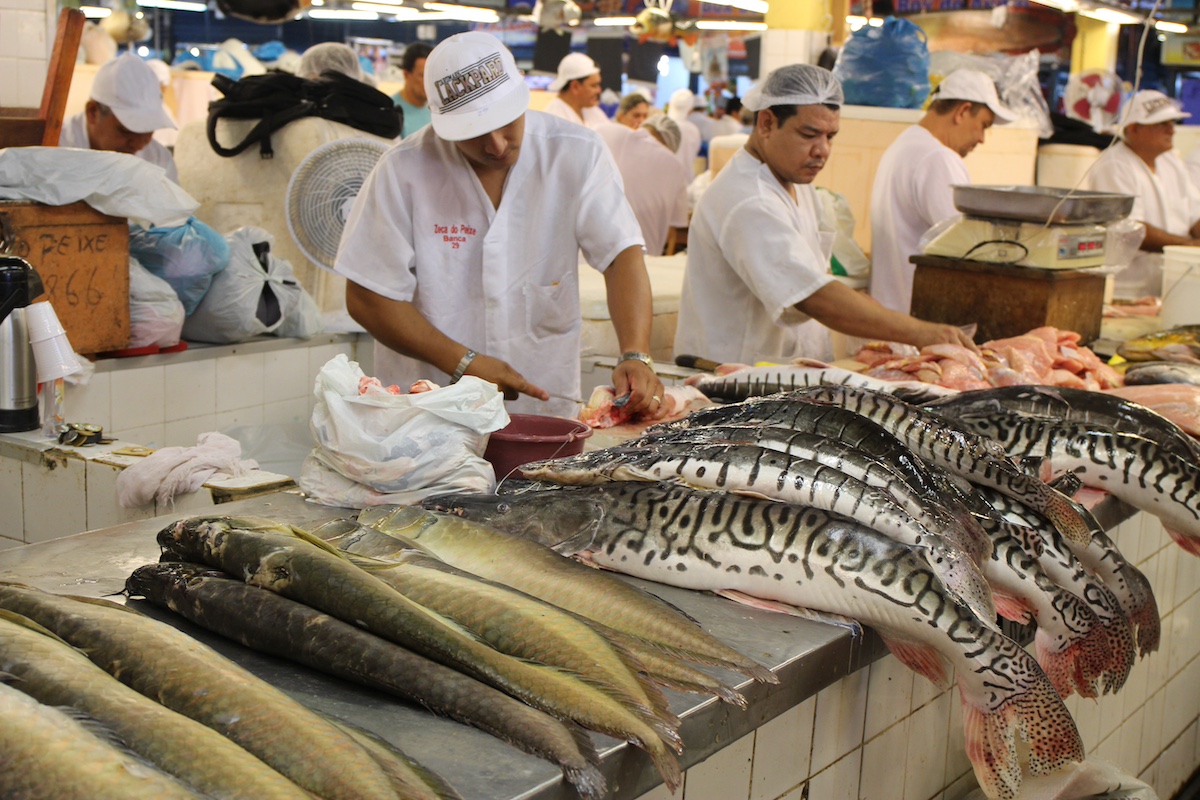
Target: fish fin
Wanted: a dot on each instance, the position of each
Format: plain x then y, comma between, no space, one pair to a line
921,659
1012,607
828,618
1061,511
1189,543
665,762
752,493
406,775
305,536
100,601
1143,616
20,619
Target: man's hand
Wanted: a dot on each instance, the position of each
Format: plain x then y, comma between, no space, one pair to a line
645,390
511,382
927,333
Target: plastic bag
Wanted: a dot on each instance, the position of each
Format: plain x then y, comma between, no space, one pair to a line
256,294
1016,79
112,183
847,255
885,66
155,311
377,447
186,256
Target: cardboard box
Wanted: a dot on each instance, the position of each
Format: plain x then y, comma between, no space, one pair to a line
1005,300
83,259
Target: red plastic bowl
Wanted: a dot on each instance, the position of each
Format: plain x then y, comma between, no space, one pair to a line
531,437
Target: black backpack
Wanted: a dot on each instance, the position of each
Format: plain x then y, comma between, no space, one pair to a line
278,98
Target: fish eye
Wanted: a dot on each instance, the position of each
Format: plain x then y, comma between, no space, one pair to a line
504,508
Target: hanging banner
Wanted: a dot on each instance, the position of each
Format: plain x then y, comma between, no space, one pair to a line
1181,51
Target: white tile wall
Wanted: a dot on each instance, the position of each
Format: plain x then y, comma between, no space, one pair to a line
725,775
54,499
26,30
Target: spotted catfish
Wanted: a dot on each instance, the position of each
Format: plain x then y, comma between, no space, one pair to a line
820,561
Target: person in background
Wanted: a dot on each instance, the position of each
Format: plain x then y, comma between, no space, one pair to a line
727,118
578,87
329,56
678,108
914,184
700,118
411,99
122,113
633,110
655,182
481,277
758,257
1166,200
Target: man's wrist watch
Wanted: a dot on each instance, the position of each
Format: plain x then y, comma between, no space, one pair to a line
635,356
461,369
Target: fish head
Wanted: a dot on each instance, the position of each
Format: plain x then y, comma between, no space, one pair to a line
184,539
152,581
562,520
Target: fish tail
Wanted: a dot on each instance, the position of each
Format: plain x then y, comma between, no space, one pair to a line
1143,612
1066,518
1036,714
1124,652
665,762
1189,543
1077,667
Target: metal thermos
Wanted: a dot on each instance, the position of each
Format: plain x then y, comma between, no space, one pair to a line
20,284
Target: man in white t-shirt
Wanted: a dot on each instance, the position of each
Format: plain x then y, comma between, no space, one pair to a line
1166,201
758,256
914,185
578,87
122,113
655,182
462,247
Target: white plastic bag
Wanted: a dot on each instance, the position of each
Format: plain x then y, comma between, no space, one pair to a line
378,447
256,294
155,311
112,183
836,213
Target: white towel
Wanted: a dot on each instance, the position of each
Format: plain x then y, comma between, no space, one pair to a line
174,470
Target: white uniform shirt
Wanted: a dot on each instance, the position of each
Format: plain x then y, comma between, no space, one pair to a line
689,144
753,253
615,135
502,281
592,115
656,185
74,134
912,192
1165,198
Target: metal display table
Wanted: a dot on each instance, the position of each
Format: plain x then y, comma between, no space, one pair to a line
807,656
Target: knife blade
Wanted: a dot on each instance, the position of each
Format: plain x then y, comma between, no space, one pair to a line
564,397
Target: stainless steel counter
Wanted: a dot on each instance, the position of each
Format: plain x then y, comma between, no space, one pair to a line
807,656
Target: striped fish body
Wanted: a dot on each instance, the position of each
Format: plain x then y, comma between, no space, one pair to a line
1133,468
961,450
1063,405
761,381
811,559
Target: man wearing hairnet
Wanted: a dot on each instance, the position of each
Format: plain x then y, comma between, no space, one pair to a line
758,256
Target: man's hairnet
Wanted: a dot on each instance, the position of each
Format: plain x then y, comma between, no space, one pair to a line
795,85
330,56
667,129
680,104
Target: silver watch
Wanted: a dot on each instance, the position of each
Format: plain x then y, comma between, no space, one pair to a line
635,356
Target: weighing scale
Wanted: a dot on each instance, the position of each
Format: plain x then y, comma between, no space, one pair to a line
1030,226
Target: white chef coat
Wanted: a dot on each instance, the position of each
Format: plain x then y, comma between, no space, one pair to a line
1165,198
592,115
74,134
656,185
753,253
422,229
912,192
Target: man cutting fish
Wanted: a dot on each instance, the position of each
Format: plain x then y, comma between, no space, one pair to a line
758,258
462,247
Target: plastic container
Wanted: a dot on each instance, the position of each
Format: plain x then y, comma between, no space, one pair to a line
531,437
1180,286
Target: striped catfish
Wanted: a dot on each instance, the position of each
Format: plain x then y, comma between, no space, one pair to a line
760,381
1078,406
761,472
1134,468
819,561
962,451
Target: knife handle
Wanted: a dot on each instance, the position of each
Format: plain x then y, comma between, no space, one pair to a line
695,362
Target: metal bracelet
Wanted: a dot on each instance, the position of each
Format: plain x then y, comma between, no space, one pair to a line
635,356
463,363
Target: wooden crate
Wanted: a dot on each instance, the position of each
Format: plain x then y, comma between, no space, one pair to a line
83,259
1005,300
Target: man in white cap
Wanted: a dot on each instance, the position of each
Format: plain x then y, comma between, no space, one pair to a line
1166,200
462,247
914,184
578,87
758,255
124,110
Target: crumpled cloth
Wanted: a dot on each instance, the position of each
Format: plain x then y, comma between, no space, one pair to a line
171,471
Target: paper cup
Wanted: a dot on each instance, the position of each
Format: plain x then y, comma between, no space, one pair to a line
55,358
42,322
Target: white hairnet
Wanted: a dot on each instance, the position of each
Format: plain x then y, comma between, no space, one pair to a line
795,85
330,56
667,129
681,104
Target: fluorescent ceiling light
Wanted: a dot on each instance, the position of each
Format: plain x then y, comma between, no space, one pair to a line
1111,15
385,8
1065,6
1170,27
729,25
95,12
614,21
464,13
333,13
172,5
757,6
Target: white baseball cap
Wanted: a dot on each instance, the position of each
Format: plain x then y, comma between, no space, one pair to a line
573,67
473,86
130,88
977,87
1149,107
